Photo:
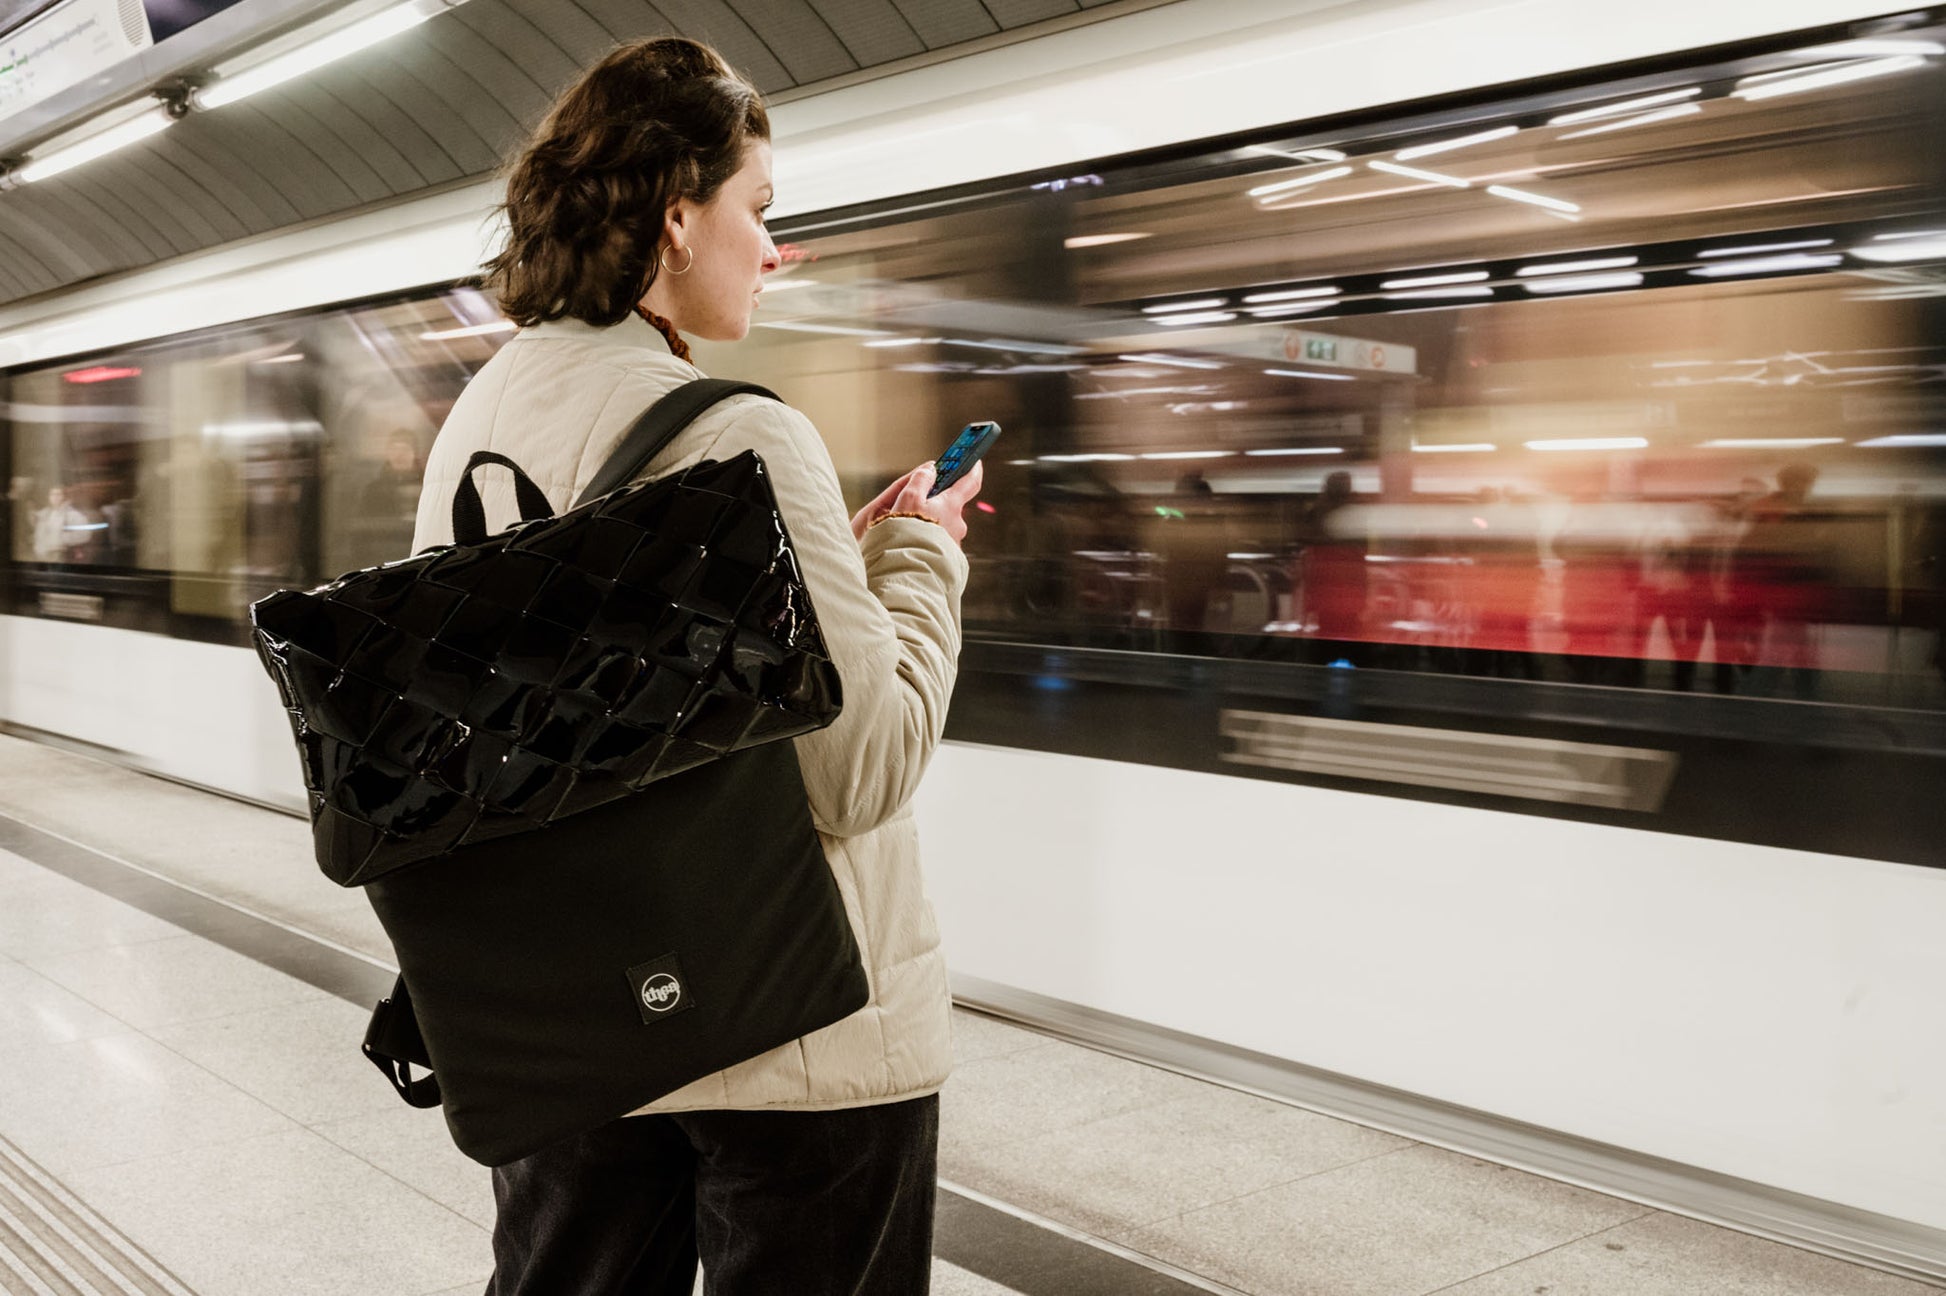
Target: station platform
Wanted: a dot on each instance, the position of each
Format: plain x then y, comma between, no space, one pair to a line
183,1109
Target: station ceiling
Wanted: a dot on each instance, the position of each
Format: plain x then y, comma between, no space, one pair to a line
442,104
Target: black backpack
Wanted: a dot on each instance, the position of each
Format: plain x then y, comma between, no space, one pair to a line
554,759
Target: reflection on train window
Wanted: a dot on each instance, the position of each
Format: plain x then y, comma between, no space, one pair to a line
1636,386
1643,390
174,483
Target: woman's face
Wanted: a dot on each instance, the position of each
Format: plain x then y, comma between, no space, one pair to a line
713,298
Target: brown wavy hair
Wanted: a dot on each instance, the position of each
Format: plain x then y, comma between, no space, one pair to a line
655,121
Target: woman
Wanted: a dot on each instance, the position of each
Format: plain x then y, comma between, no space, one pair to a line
635,216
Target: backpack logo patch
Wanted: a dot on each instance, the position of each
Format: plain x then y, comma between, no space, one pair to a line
659,988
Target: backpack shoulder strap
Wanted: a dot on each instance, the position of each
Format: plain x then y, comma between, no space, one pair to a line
660,424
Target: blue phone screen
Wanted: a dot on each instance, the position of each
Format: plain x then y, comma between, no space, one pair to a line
960,456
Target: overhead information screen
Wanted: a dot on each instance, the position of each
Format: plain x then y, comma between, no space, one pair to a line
167,17
47,49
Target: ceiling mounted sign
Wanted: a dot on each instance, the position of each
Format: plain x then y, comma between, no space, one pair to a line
60,46
64,47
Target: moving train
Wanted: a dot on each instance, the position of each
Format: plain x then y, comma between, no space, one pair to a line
1456,627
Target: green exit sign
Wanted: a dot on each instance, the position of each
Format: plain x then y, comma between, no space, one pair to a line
1320,349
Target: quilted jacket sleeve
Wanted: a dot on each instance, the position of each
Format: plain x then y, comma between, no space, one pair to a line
890,613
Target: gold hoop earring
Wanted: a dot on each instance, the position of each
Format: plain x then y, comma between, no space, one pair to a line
663,258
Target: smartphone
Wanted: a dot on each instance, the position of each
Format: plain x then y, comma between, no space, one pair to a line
975,440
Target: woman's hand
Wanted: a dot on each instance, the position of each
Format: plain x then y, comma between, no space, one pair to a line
908,495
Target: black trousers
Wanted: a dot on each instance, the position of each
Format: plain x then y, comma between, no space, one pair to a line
836,1203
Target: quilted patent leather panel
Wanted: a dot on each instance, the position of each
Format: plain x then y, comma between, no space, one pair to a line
475,691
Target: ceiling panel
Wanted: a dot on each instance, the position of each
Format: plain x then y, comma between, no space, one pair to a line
874,31
940,23
444,102
1016,13
802,41
718,24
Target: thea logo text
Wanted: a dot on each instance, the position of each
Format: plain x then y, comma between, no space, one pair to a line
661,992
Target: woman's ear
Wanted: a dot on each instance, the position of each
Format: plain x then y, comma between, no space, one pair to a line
675,223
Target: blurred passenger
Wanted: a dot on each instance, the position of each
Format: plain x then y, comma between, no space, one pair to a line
121,540
1736,615
1673,590
636,215
1501,587
1599,579
1929,560
1191,539
393,489
1784,558
1333,580
388,502
21,513
61,531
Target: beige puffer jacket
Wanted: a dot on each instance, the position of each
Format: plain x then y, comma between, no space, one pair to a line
555,400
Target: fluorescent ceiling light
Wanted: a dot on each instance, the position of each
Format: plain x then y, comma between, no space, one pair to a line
1755,248
1446,146
1201,303
471,330
1465,447
1647,118
292,358
1585,283
1299,155
1309,373
1910,439
1429,281
313,55
87,150
1771,443
266,427
1290,294
1179,362
1085,458
1283,186
1538,200
1907,234
1916,249
1414,173
1769,265
1204,317
1010,344
1299,450
903,342
1844,74
1432,294
1591,443
1577,267
1292,308
1785,74
1625,107
1189,454
785,285
792,326
1873,48
1100,240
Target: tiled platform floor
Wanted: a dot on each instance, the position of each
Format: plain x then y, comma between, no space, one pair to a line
215,1110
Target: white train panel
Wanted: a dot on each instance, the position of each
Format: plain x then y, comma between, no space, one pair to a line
1753,1011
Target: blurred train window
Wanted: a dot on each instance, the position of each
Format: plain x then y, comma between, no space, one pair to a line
1641,384
170,485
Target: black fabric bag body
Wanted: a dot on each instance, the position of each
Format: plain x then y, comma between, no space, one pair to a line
554,759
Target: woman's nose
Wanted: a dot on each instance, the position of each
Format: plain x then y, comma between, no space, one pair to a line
772,258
